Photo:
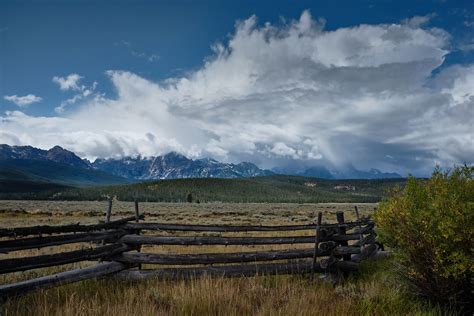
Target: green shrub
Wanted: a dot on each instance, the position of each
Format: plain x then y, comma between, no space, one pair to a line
429,225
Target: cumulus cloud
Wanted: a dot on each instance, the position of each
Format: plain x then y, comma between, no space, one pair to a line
419,20
279,95
23,101
71,82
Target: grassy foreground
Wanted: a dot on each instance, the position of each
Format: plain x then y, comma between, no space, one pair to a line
376,291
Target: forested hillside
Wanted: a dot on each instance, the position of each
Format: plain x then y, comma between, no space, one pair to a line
263,189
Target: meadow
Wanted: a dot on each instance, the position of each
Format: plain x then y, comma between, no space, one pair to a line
377,290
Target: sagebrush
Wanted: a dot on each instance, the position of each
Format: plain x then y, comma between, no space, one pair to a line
429,225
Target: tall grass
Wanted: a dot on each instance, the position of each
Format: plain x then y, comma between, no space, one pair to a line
376,291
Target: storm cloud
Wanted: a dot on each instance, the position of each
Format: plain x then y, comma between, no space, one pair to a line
296,93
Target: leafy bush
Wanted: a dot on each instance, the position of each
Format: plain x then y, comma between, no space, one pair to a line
430,227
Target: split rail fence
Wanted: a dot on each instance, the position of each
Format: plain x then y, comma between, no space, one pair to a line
116,245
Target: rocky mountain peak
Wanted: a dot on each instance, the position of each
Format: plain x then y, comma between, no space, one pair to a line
174,165
56,154
61,155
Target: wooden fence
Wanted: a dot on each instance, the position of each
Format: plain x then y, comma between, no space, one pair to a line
116,245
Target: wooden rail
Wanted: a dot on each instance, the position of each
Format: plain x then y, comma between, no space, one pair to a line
214,258
47,229
39,242
75,275
187,241
35,262
248,270
232,228
336,247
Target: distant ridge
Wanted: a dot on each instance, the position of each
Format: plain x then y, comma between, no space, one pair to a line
34,162
169,166
176,166
30,173
22,165
55,154
344,173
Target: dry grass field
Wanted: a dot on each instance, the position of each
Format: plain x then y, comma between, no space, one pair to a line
14,213
375,291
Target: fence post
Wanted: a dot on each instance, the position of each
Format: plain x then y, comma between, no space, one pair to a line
342,231
107,219
109,211
360,228
316,243
137,213
137,217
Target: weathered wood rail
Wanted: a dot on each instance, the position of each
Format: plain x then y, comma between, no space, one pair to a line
117,246
40,242
71,228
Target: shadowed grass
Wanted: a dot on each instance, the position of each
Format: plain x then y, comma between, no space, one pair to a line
376,291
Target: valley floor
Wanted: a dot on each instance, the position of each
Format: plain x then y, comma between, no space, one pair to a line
25,212
375,291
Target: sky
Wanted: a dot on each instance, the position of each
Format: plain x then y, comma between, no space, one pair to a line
370,84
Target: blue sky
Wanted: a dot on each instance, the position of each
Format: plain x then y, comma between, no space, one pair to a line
112,48
43,39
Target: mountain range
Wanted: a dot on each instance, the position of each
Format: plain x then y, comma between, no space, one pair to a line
55,154
62,166
348,172
176,166
26,166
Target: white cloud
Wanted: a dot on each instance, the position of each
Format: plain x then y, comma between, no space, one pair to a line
149,57
138,54
153,57
363,95
61,108
466,47
71,82
468,23
419,20
68,83
23,101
